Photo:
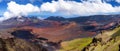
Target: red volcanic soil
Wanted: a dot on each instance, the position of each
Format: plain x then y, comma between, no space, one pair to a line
56,34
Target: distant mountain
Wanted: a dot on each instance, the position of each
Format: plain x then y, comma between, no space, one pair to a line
56,18
87,22
26,21
97,18
52,20
18,22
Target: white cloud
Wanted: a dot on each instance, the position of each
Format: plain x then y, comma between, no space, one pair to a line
15,9
89,7
65,8
118,1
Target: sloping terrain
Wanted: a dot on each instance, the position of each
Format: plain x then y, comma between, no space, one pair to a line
8,42
66,34
107,40
101,19
75,45
15,44
26,21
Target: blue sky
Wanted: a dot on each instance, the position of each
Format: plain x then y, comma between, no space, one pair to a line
3,5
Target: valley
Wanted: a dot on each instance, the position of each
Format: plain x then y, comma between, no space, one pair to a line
61,34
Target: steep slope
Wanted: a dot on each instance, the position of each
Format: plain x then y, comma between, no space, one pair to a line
8,42
76,44
15,44
106,40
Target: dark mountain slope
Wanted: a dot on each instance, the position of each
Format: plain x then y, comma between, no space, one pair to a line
97,18
15,44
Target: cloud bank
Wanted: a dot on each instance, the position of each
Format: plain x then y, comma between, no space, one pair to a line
84,8
14,10
65,8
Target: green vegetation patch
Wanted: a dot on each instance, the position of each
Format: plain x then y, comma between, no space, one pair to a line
76,44
116,34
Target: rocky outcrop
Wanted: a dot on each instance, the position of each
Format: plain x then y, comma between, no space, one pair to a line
9,42
108,40
15,44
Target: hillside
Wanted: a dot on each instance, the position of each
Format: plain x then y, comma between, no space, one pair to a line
66,34
15,44
107,40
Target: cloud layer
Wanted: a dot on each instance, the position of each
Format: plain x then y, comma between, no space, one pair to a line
85,8
14,10
65,8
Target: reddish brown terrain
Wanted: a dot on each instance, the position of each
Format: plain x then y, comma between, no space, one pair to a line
57,29
64,32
